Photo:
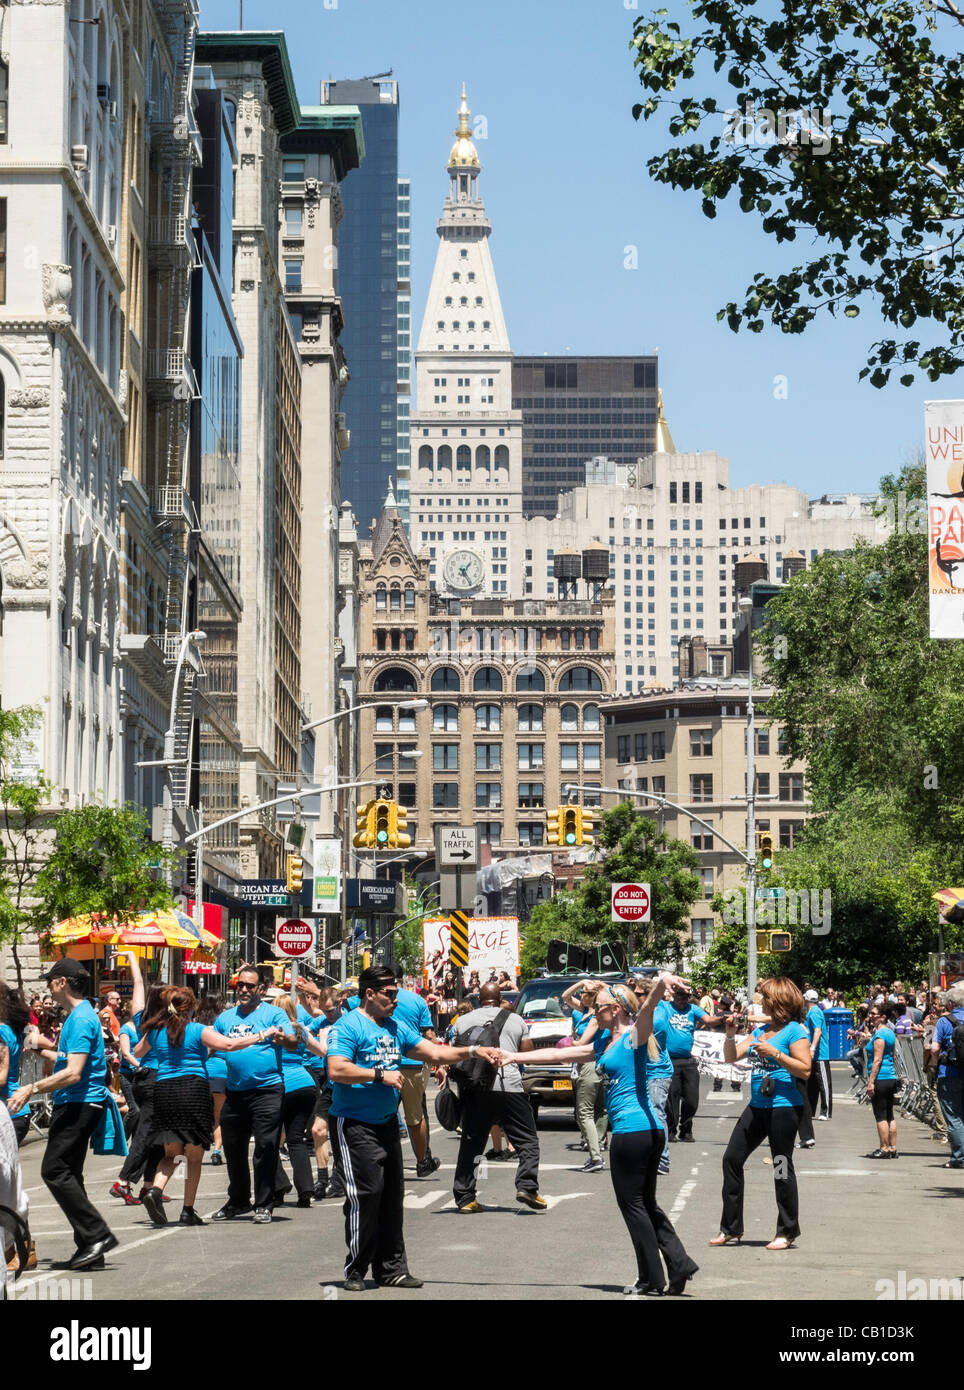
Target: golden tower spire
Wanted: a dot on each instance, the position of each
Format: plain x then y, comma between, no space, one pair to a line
464,153
664,440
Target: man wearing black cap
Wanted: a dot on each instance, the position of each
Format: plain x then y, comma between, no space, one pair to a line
80,1094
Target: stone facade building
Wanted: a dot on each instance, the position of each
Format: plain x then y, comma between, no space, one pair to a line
515,691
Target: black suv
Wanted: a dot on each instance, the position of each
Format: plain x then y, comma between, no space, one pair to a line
540,1004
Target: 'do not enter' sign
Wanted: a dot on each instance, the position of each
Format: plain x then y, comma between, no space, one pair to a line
630,902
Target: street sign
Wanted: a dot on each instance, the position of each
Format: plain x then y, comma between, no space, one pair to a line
294,938
458,846
327,871
459,940
630,902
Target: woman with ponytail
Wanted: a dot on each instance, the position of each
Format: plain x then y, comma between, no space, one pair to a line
183,1119
638,1137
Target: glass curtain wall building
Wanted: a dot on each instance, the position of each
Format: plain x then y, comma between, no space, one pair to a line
368,278
403,467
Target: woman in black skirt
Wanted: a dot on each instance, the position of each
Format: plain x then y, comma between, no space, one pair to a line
183,1112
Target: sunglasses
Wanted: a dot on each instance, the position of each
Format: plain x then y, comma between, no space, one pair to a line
389,993
242,985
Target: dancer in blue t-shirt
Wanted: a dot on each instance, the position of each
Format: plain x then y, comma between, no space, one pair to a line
780,1053
625,1053
882,1077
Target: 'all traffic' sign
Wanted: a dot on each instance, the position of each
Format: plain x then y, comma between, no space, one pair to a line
630,902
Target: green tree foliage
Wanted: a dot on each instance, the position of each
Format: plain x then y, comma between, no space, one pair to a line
102,861
24,815
881,203
633,850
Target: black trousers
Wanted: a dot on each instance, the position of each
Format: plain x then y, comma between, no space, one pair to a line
248,1113
482,1110
21,1127
684,1096
820,1087
133,1109
62,1169
142,1156
297,1114
634,1167
370,1159
779,1126
805,1112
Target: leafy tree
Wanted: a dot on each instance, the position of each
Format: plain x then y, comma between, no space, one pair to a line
102,861
633,850
24,817
882,200
864,694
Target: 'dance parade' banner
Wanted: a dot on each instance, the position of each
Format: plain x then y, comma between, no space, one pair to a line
944,434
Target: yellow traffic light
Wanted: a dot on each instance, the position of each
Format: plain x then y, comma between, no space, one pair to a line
364,826
399,822
552,826
587,827
295,873
569,826
766,850
383,824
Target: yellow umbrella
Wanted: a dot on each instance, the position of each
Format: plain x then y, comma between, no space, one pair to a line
72,930
163,928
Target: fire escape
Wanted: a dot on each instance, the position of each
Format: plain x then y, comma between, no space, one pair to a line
171,383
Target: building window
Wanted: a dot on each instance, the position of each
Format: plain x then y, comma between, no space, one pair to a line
623,754
490,832
641,747
530,719
530,756
445,757
791,786
489,718
384,720
294,219
762,742
700,836
591,757
580,678
292,277
701,786
446,718
672,492
707,876
531,795
658,746
701,933
384,757
569,719
293,170
533,833
590,717
783,747
445,678
701,743
487,678
445,795
488,757
406,762
569,757
488,795
790,833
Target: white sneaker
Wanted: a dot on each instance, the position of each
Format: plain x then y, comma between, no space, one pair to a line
823,1117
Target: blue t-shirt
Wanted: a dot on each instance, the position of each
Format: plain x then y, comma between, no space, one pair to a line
664,1065
817,1019
149,1060
14,1046
368,1044
259,1066
786,1092
600,1041
82,1033
580,1022
352,1002
187,1060
942,1035
217,1066
887,1072
680,1026
624,1072
129,1031
412,1010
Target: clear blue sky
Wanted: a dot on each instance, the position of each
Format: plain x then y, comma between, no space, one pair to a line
566,189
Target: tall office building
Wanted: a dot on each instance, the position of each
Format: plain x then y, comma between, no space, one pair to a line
576,407
403,466
368,284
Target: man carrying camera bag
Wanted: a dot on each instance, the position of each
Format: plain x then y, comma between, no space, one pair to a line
494,1098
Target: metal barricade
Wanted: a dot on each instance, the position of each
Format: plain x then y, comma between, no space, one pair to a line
41,1107
915,1097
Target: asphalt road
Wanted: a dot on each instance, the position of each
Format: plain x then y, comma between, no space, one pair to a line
862,1221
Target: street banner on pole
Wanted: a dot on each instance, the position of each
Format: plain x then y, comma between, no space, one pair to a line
493,943
326,858
944,443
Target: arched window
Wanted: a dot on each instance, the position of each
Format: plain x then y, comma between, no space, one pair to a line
425,456
445,456
580,678
487,678
530,680
502,457
446,718
569,718
395,599
489,718
483,456
530,719
590,717
381,599
410,597
395,678
446,678
463,459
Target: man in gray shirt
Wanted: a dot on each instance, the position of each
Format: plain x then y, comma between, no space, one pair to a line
499,1101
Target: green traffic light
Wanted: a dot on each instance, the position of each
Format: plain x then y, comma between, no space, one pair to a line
570,838
382,836
768,863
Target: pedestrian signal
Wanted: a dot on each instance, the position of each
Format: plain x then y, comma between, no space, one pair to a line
773,942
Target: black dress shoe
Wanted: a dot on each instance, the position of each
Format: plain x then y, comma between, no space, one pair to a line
189,1217
304,1199
92,1256
678,1286
354,1284
153,1204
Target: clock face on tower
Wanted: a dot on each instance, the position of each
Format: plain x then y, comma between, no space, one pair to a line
463,570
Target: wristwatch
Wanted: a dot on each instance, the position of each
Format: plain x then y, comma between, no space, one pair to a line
379,1075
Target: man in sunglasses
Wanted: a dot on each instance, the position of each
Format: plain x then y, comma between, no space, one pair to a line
364,1056
254,1099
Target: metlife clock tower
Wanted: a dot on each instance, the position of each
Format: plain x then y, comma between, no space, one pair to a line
466,439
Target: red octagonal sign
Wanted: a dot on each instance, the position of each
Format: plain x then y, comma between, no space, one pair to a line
295,938
630,902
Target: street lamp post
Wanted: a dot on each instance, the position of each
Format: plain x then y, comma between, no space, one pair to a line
746,606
